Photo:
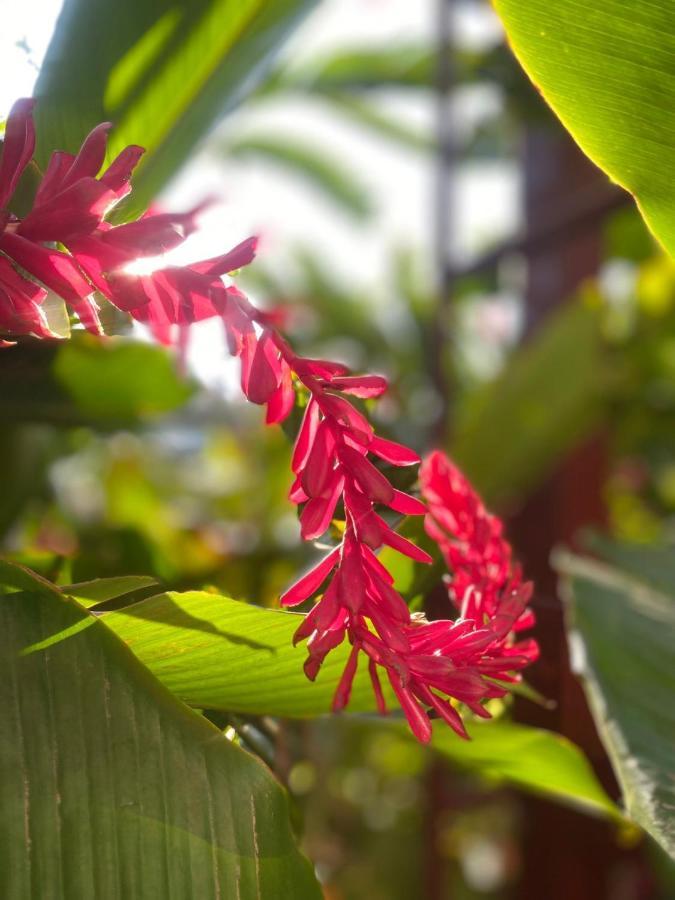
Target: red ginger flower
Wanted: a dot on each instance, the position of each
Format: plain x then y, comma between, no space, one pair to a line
69,208
427,664
471,541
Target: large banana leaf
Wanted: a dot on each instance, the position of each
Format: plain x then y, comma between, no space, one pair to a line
606,68
218,653
110,787
621,636
162,71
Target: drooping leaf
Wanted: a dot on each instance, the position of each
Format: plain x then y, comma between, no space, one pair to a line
606,69
550,397
120,379
531,758
111,787
15,577
217,653
367,115
89,593
411,65
163,72
325,173
621,637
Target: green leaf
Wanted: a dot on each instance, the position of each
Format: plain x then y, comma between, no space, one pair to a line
120,379
162,72
606,69
533,759
217,653
550,396
206,649
89,593
621,636
110,787
368,115
322,170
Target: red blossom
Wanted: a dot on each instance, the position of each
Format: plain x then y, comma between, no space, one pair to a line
337,458
471,541
69,209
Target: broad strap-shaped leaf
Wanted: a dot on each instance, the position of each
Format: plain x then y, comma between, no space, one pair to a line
621,634
222,654
606,69
162,72
110,787
533,759
218,653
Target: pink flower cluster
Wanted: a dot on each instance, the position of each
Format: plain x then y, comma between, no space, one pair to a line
69,209
428,664
472,543
337,455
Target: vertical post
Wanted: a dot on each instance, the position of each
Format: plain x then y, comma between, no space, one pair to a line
443,212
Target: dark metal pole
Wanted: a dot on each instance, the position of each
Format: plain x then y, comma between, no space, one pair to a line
443,212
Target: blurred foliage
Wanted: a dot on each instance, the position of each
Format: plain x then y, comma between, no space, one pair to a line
316,167
551,395
112,464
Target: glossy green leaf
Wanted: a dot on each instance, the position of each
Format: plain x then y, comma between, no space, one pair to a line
162,71
110,787
206,648
217,653
120,379
606,68
550,396
321,170
621,636
533,759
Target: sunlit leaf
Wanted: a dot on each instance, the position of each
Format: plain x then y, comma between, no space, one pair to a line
216,653
606,68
